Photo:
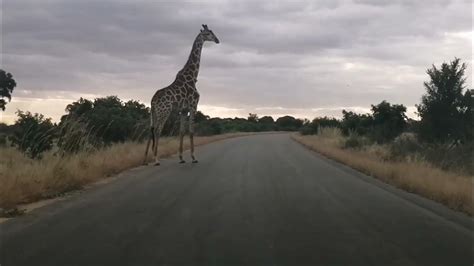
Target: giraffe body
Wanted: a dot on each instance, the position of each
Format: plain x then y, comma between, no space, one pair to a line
181,95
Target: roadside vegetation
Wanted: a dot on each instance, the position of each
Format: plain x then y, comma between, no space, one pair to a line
432,157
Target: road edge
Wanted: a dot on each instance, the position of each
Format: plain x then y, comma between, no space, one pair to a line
457,218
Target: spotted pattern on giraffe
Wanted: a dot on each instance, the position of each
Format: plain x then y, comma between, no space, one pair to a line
181,95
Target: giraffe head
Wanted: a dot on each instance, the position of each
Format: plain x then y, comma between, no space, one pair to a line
208,35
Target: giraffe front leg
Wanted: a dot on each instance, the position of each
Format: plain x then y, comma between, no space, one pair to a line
181,137
191,135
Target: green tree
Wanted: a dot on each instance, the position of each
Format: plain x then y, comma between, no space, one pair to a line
356,123
388,121
33,134
288,123
312,127
266,123
253,118
200,117
7,84
445,109
266,120
104,120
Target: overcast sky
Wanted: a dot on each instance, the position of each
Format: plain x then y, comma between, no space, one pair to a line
302,58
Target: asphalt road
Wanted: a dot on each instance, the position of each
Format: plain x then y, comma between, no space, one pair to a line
257,200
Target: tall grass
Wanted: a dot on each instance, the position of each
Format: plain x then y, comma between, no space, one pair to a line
24,180
414,175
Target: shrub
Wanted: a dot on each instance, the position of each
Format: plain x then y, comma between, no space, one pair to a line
75,136
288,123
355,141
3,140
208,128
33,134
404,145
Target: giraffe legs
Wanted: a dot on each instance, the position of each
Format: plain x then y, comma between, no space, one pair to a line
191,135
181,136
155,146
147,147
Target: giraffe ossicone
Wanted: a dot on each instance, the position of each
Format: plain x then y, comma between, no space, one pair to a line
181,94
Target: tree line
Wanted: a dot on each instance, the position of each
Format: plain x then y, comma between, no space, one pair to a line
89,124
445,111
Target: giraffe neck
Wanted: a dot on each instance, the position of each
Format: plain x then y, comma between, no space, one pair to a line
192,65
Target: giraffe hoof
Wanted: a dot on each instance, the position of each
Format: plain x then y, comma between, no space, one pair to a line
157,163
195,161
182,161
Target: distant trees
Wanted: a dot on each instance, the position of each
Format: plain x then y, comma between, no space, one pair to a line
7,84
446,108
266,123
356,123
386,122
266,120
313,127
288,123
252,118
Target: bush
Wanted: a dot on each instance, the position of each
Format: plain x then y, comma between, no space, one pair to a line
3,140
106,119
75,136
33,134
288,123
308,130
356,123
355,141
313,127
457,158
404,145
208,128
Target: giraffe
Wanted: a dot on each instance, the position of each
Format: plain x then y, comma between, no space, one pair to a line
181,94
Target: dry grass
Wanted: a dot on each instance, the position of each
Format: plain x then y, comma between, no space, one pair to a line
23,180
416,176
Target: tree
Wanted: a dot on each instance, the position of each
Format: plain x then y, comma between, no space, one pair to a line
7,84
266,120
311,128
389,121
253,118
356,123
445,109
288,123
266,123
33,134
200,117
104,120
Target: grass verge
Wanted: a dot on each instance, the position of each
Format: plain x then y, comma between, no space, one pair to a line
24,180
451,189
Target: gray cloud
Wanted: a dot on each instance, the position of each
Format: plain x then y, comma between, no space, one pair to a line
286,55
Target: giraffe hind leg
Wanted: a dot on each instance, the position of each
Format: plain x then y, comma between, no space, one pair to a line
156,140
150,139
181,137
191,135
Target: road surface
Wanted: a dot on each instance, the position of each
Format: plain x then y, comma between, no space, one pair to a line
256,200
